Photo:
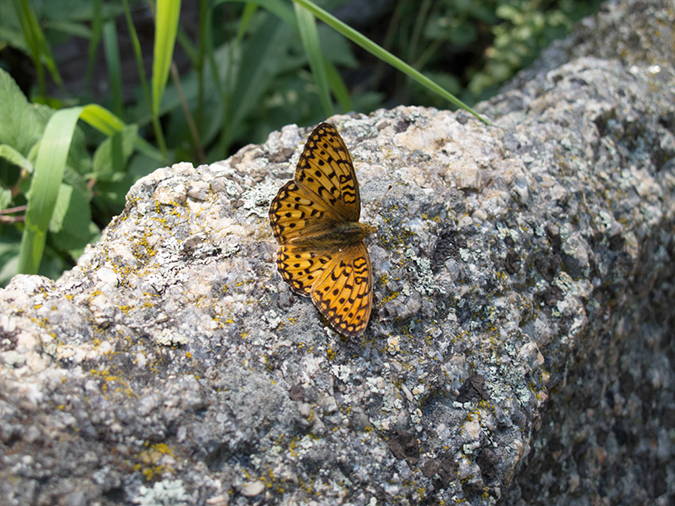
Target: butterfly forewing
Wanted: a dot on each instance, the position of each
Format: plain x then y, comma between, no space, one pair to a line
297,213
344,292
325,168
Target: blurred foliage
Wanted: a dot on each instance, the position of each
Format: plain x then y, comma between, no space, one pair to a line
473,47
240,70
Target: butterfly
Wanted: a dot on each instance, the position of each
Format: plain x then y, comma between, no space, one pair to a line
315,219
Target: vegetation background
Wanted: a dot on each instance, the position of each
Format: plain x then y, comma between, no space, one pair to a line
94,96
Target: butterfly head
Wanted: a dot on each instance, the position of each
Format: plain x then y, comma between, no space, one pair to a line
367,229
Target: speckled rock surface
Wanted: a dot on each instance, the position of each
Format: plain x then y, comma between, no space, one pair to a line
521,344
607,433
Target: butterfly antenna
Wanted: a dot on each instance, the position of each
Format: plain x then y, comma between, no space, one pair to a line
382,199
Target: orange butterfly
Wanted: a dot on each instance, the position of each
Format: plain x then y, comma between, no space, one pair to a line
315,219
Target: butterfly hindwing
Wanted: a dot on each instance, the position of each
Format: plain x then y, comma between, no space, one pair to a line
344,291
301,266
325,168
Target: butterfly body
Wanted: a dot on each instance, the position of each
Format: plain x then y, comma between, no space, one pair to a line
342,234
315,219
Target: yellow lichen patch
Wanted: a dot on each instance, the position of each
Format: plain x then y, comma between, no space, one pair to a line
108,378
156,461
40,322
390,297
125,309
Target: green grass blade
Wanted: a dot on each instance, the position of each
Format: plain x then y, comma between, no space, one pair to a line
205,17
112,57
102,119
339,88
310,41
96,32
49,168
35,38
383,54
141,144
166,26
138,54
245,20
31,31
190,50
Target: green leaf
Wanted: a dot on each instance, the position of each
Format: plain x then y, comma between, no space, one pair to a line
277,7
13,38
77,181
70,28
9,259
71,244
77,10
5,198
9,16
70,222
509,12
19,128
113,188
463,34
336,48
13,156
266,47
107,123
113,153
